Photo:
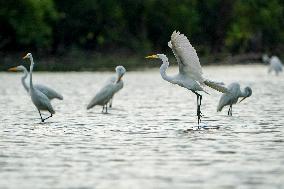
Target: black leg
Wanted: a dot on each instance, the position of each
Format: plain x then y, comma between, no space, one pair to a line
231,106
229,111
48,117
42,120
110,103
106,108
199,114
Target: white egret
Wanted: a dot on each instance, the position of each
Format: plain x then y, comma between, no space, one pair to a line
190,72
275,65
50,93
228,99
265,58
119,84
108,90
39,99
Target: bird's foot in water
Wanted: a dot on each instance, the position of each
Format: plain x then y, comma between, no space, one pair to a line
202,127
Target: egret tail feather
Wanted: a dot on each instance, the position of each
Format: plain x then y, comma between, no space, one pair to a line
216,86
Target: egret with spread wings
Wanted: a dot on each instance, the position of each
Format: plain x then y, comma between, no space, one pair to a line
39,99
50,93
190,72
228,99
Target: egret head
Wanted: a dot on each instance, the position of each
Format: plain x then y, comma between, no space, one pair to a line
17,69
248,93
158,56
29,55
120,70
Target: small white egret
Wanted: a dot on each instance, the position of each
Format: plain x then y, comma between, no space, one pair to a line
228,99
50,93
275,65
108,90
265,58
39,99
190,72
119,84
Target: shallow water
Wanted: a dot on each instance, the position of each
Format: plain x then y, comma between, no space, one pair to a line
141,143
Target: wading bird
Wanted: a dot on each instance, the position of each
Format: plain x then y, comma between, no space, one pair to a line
50,93
119,85
228,99
190,72
39,99
108,90
275,65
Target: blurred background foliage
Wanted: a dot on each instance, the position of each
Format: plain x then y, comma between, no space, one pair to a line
91,28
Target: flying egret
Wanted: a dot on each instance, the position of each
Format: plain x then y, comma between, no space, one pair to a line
113,80
108,90
50,93
39,99
228,99
190,72
275,65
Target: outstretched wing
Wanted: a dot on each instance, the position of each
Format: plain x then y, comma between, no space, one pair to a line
186,56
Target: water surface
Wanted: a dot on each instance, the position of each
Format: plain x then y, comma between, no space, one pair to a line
141,143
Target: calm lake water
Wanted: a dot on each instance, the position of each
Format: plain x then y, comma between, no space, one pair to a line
141,143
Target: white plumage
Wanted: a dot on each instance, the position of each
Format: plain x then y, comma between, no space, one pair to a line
39,99
108,90
50,93
228,99
190,71
275,65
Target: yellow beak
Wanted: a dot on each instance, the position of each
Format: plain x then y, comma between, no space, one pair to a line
242,99
14,69
152,56
25,57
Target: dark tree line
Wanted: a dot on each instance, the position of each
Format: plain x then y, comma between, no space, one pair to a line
234,26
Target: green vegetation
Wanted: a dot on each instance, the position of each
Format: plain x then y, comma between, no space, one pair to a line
74,35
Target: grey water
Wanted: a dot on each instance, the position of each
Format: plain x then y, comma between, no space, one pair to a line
141,142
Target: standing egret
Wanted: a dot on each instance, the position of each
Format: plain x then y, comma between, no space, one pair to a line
228,99
265,59
190,72
39,99
108,90
275,65
114,79
50,93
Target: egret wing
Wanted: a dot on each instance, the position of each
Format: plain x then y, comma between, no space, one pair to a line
186,56
50,93
103,96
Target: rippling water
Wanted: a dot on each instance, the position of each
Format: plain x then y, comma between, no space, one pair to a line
141,143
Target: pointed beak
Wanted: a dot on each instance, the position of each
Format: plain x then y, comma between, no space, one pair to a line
152,56
25,57
119,78
14,69
242,99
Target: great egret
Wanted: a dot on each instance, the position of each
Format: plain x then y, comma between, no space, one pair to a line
107,92
228,99
50,93
39,99
119,85
275,65
265,58
190,72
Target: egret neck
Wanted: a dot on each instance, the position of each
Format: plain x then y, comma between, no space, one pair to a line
26,73
163,69
31,72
